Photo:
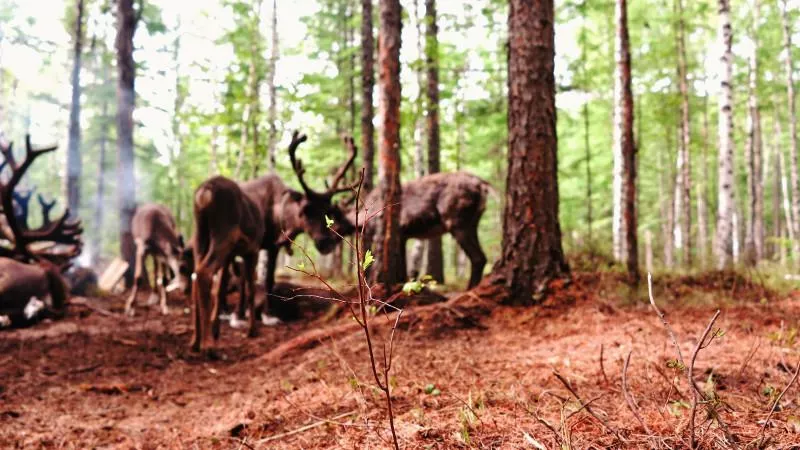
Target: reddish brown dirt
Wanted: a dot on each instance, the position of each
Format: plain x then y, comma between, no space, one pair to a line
97,381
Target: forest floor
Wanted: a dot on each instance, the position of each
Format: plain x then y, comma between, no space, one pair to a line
94,380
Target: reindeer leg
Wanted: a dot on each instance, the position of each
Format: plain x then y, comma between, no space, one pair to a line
469,242
272,262
195,342
249,282
137,277
162,289
220,289
153,299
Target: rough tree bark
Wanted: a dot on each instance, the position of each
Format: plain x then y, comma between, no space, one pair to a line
532,254
367,84
785,192
273,94
723,250
74,163
624,149
754,231
435,263
777,229
795,178
417,253
127,19
683,180
389,245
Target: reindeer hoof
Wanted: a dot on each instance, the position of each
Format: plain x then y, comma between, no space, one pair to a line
165,311
236,323
270,321
5,321
195,346
130,312
152,300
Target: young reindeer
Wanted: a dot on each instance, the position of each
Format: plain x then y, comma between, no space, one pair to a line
432,205
156,235
228,223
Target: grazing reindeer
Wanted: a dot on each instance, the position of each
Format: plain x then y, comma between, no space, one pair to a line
432,206
156,235
228,223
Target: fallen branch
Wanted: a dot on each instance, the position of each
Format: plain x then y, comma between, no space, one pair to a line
690,374
304,428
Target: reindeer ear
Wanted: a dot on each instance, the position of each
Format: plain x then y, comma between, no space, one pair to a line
293,196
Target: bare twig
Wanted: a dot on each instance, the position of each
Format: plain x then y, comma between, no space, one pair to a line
696,393
305,428
588,409
629,397
602,368
775,405
663,319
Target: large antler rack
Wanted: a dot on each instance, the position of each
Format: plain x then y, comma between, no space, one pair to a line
350,145
297,164
334,188
61,231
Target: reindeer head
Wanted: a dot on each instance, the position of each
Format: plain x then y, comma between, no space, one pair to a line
314,210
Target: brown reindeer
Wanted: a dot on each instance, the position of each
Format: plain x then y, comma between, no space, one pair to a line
286,213
30,292
433,205
31,259
156,235
228,223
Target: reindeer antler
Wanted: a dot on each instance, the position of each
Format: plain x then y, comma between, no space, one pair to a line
334,189
46,208
61,231
297,164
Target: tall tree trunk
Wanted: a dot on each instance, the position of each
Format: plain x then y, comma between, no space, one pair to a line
127,19
785,192
665,201
795,178
723,250
418,247
389,245
775,161
367,84
435,265
702,194
459,257
100,199
74,164
273,94
683,185
754,233
586,127
531,251
624,147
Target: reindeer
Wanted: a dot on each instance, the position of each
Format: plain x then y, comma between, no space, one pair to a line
156,235
433,205
31,259
228,223
286,213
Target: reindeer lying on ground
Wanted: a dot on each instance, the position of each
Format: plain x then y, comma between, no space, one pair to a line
228,223
29,292
432,206
31,259
156,235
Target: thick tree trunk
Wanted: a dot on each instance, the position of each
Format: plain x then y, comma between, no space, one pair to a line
389,245
795,178
624,146
367,84
723,250
74,163
531,252
683,185
127,19
754,236
435,263
417,253
273,93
